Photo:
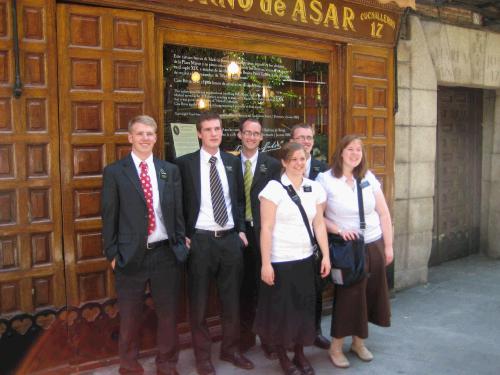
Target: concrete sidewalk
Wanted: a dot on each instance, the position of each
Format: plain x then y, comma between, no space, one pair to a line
449,326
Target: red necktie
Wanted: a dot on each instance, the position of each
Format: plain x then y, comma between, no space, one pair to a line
148,194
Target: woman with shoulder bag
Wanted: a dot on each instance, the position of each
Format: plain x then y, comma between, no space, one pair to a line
286,307
367,300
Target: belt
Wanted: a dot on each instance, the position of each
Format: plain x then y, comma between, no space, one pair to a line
155,245
215,233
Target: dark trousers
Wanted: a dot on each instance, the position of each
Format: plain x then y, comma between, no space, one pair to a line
160,267
250,286
220,259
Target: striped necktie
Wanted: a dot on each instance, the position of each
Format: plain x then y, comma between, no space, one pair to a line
247,179
218,202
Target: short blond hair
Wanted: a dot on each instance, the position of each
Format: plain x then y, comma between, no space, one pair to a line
143,119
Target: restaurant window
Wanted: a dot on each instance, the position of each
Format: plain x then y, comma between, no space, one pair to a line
280,92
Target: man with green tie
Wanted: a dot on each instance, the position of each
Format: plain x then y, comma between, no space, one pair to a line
258,169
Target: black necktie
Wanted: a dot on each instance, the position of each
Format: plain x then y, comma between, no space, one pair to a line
218,202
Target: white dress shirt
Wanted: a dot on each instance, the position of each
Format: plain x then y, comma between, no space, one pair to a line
290,237
160,232
342,203
206,218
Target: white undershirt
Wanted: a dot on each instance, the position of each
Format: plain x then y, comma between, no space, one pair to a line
342,203
160,233
206,218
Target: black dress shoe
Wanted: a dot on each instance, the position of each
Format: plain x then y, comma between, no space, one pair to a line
237,359
321,342
269,351
205,368
303,364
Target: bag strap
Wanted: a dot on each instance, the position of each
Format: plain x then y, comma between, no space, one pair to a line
296,199
361,209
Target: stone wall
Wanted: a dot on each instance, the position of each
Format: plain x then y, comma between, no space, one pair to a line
439,54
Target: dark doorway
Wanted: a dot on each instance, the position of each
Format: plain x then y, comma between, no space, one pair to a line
458,174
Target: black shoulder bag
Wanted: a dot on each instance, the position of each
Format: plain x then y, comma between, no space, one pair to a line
348,257
316,251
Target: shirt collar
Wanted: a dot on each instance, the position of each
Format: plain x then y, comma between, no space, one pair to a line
253,159
286,181
137,160
205,156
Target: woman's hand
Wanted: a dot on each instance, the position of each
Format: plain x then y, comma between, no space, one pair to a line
267,274
325,267
349,235
389,255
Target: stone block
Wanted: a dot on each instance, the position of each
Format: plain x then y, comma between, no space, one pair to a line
404,51
459,53
402,145
401,181
477,48
422,180
494,235
403,113
419,249
492,61
423,74
494,197
400,246
403,75
423,144
410,277
495,168
423,108
400,218
420,215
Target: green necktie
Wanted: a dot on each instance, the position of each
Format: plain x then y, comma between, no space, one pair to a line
247,179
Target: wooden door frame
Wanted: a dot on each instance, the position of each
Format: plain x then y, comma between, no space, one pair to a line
194,34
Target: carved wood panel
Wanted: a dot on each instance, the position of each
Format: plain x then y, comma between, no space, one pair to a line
106,76
31,266
369,111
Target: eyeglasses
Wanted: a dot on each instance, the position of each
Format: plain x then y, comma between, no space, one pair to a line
248,133
304,138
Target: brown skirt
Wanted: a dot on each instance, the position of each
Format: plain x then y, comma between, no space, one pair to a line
366,301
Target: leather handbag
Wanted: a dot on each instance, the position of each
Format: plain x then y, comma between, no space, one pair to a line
318,256
348,257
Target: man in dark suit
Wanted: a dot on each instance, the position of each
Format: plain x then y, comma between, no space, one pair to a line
142,220
304,134
215,225
258,169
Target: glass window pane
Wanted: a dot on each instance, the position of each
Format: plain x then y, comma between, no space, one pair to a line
279,92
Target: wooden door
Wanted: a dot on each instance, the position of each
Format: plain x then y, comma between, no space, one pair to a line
32,285
106,76
457,199
369,113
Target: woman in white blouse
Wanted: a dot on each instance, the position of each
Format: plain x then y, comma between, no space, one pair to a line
367,300
286,306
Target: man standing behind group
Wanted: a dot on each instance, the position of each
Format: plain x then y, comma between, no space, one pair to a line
214,209
304,134
258,169
142,219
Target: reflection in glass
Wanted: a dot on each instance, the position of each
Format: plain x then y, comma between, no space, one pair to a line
279,92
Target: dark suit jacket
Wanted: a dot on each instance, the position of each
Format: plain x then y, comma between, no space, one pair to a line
317,166
124,210
267,169
189,166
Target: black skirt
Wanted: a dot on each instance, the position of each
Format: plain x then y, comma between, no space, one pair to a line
286,310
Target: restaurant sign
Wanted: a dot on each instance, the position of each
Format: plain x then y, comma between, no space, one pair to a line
334,17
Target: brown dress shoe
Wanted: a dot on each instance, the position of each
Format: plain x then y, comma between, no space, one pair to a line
237,359
205,368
